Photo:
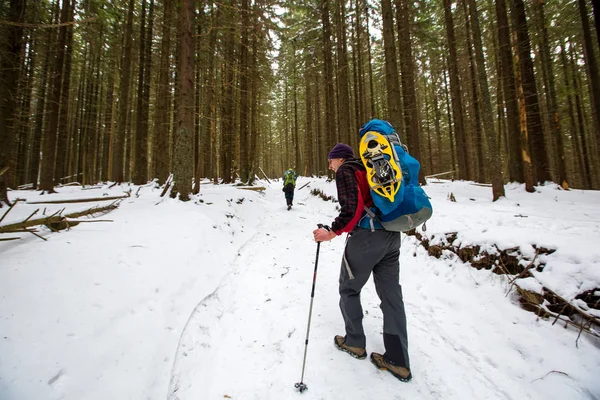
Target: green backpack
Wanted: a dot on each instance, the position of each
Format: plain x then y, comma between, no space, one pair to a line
289,177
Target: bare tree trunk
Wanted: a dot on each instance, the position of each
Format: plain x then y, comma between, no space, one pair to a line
209,105
297,152
343,84
62,150
118,142
245,92
47,178
11,43
409,94
507,77
456,96
183,168
371,91
160,147
534,126
476,120
493,157
592,70
309,98
227,106
140,153
552,102
391,67
332,134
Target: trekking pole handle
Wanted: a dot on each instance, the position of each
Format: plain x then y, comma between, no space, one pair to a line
326,227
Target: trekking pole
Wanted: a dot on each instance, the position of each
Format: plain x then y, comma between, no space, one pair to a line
301,386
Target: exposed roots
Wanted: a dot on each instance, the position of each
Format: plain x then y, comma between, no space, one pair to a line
515,265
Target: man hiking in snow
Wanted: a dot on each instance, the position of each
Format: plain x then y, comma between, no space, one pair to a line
367,250
289,184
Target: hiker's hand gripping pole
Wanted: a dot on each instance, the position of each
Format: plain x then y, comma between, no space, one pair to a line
323,233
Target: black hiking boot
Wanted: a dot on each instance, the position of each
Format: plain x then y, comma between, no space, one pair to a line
289,207
356,352
401,373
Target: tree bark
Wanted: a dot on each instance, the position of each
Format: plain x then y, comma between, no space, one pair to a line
411,124
118,142
183,168
493,158
507,78
331,131
391,67
160,146
534,126
456,95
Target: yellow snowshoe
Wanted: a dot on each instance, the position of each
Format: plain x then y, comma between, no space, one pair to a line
383,170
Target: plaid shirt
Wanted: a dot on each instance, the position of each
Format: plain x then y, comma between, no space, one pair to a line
353,195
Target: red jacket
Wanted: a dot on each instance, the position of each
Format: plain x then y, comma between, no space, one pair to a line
353,194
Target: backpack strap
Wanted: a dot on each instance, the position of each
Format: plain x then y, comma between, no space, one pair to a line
350,275
372,216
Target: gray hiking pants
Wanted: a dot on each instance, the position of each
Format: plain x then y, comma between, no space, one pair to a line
376,252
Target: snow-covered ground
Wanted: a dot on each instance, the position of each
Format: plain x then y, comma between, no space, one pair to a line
209,300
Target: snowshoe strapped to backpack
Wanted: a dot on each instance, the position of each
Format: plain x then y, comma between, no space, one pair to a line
393,175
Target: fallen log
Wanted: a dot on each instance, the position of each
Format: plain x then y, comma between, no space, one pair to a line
93,199
57,221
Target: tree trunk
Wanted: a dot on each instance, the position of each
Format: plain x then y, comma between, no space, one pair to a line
332,135
118,142
371,91
245,93
592,70
507,78
47,177
227,106
183,168
552,102
534,126
11,43
493,157
456,95
391,67
140,153
409,94
62,145
477,137
343,83
160,147
209,104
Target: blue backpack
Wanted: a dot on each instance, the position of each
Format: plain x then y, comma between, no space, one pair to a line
393,174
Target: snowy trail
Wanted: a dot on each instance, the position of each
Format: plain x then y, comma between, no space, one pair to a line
231,347
241,310
209,299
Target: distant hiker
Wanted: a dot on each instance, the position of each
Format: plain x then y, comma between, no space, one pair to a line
368,249
289,184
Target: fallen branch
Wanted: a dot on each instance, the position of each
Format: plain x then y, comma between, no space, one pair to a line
93,199
558,372
167,185
265,175
440,174
57,221
304,185
256,188
10,208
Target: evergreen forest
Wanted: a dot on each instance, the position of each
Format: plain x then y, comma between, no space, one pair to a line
177,91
